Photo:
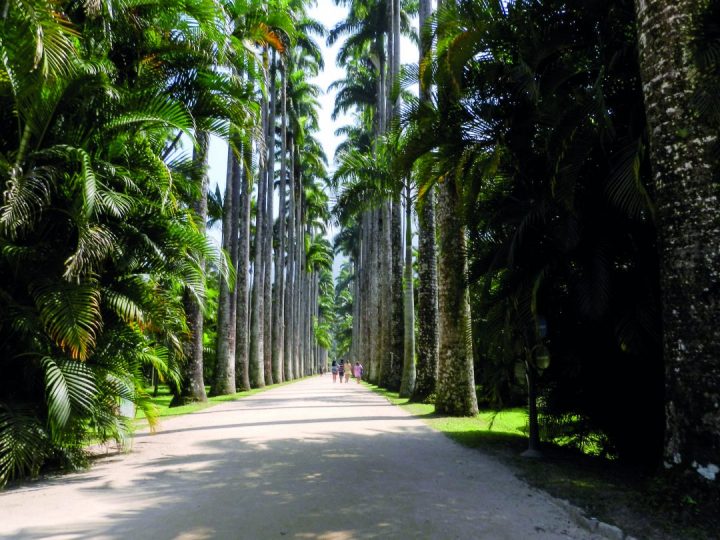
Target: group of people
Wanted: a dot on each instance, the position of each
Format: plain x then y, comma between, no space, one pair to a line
344,369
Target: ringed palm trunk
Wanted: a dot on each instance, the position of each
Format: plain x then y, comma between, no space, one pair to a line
242,347
688,218
456,380
408,374
193,385
427,339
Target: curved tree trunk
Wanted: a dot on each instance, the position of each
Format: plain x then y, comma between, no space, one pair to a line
688,219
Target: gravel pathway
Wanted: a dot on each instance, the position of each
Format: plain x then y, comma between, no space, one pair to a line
309,460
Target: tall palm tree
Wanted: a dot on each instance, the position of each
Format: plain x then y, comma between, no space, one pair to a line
684,162
93,212
427,338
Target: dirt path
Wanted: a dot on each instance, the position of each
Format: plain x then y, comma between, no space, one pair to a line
311,460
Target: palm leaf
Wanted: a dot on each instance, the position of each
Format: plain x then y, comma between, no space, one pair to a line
69,388
23,445
70,313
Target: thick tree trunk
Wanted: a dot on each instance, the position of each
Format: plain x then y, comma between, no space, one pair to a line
242,347
688,219
408,375
427,339
224,382
192,387
456,381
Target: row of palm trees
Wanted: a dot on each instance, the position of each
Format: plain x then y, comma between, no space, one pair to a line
563,189
107,113
378,235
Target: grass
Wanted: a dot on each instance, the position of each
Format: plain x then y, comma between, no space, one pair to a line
164,397
646,506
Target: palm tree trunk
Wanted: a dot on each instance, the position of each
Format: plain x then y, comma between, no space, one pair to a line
257,332
688,218
243,314
290,370
456,381
408,375
279,301
270,369
224,382
193,385
299,266
398,327
427,339
373,299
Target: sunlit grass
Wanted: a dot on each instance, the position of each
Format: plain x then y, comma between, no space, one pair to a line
164,397
471,431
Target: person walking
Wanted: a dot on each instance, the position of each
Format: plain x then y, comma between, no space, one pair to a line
348,369
341,370
334,370
358,371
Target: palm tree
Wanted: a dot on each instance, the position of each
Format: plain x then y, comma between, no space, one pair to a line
427,338
684,163
92,211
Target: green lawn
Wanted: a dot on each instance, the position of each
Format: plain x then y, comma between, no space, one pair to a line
508,426
645,505
164,397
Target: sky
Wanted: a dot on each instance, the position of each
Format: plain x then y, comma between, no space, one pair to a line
329,15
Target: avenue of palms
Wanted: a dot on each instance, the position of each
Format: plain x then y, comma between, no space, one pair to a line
526,215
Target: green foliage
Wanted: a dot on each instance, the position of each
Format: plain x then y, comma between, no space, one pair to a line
538,122
96,242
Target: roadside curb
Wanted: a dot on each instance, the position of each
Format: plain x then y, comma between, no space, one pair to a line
593,524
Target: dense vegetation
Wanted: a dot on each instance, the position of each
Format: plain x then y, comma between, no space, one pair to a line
107,109
563,216
560,160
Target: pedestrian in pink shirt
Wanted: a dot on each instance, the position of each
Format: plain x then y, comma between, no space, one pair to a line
358,371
